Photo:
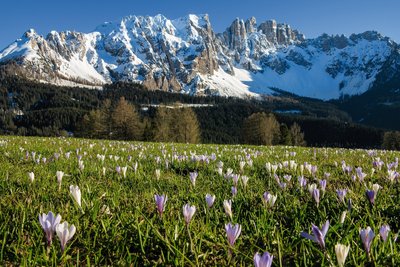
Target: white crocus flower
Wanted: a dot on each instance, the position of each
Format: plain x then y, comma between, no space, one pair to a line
31,176
341,253
76,194
124,169
228,208
65,233
59,175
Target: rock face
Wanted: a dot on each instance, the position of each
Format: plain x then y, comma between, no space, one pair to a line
185,55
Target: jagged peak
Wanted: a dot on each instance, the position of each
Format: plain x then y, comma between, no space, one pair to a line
199,21
31,33
369,36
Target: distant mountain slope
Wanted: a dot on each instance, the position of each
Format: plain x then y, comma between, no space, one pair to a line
186,55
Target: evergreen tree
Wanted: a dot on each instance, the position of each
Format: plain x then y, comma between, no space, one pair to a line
126,122
297,135
147,129
391,140
92,125
286,138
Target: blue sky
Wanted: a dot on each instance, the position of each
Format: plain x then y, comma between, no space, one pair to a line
312,17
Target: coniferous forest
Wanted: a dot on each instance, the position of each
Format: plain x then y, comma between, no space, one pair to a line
131,112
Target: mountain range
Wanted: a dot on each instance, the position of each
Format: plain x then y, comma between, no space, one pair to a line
186,55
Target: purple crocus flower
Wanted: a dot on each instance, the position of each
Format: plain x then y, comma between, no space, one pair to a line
371,194
232,232
367,235
315,195
319,235
322,183
287,177
360,174
160,202
282,185
302,181
210,200
264,260
341,193
49,223
384,232
234,191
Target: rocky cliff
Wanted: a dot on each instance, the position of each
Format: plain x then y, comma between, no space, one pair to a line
186,55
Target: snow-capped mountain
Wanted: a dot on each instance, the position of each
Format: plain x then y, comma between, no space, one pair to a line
186,55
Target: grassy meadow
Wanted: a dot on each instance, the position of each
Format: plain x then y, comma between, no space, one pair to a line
119,224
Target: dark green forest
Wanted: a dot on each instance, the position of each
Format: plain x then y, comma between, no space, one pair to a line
29,108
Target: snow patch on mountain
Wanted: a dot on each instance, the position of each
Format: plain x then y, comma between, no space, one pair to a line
185,55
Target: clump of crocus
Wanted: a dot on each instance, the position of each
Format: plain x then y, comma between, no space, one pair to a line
392,175
49,224
228,208
302,181
384,232
31,176
235,178
76,194
81,165
188,212
160,202
319,235
269,199
341,253
210,200
264,260
65,233
232,232
367,235
193,177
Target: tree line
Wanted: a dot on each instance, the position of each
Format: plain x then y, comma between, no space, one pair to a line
28,108
123,122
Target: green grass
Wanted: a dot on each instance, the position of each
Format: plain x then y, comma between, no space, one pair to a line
119,224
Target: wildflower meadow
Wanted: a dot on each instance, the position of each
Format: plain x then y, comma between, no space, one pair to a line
107,203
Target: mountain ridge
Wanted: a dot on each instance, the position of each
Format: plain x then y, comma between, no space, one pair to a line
186,55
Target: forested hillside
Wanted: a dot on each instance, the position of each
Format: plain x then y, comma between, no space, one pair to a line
41,109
